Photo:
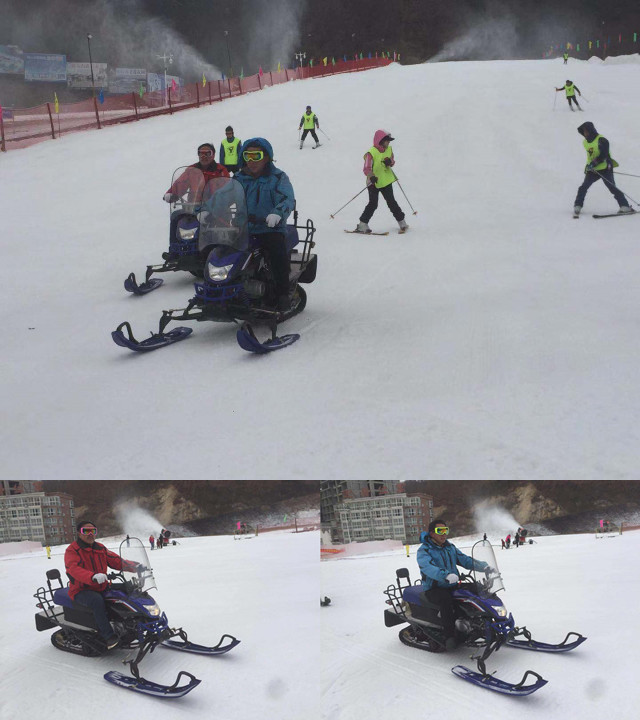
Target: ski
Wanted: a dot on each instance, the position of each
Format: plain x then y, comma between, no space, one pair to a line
356,232
502,686
140,685
616,214
157,340
248,341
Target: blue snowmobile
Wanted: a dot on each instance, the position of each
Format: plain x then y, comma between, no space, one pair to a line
482,622
238,284
135,617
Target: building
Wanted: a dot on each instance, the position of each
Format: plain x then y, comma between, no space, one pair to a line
48,518
357,511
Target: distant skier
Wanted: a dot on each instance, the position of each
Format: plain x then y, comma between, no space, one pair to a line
600,164
570,90
565,57
230,150
151,541
48,549
507,541
309,121
378,161
128,540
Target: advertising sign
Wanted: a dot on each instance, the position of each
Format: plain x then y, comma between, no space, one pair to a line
45,68
11,59
79,75
155,82
127,80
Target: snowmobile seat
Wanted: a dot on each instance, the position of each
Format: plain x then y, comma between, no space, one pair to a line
61,597
415,595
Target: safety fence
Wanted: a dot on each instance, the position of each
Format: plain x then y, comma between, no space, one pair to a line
21,127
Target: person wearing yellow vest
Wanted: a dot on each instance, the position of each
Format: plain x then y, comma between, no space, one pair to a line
229,151
378,161
309,121
565,57
571,91
600,164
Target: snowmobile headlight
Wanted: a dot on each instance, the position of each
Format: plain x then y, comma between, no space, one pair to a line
218,274
187,233
153,609
501,611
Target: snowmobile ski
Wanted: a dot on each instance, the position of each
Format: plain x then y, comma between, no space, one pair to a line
357,232
248,341
146,687
131,285
157,340
187,646
615,214
502,686
530,644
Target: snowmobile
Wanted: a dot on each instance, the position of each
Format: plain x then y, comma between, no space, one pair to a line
135,617
238,284
184,227
482,622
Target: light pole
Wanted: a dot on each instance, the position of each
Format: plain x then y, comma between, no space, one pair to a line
93,84
165,59
301,56
226,37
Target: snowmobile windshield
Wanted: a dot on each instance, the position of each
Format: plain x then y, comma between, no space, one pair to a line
136,566
187,186
485,571
223,215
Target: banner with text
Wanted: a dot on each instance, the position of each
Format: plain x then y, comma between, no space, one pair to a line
79,75
11,60
45,68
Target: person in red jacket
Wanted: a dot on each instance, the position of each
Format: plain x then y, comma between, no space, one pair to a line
86,562
195,177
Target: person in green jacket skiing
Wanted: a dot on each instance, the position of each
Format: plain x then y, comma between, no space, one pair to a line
230,151
565,57
309,121
571,90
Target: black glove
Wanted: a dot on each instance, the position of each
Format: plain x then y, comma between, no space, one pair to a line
387,162
589,167
373,179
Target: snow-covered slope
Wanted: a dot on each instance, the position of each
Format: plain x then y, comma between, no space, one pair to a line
497,339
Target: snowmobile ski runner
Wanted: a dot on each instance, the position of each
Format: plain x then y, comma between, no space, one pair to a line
135,618
152,343
482,622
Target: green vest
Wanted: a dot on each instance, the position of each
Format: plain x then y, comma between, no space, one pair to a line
565,56
384,174
592,154
309,121
230,151
570,90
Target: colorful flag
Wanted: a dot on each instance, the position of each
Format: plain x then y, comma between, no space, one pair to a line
223,76
345,58
635,37
260,71
242,73
101,97
311,62
369,56
333,61
141,91
324,61
0,112
360,56
55,103
174,85
278,66
204,80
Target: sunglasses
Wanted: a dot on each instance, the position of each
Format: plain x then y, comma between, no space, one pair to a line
441,530
205,154
253,155
88,531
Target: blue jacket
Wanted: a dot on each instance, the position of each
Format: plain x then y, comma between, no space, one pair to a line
270,193
437,562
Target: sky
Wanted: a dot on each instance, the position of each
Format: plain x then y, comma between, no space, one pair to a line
496,339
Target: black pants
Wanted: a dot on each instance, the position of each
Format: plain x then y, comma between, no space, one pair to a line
275,247
232,168
570,98
610,183
372,205
313,135
95,602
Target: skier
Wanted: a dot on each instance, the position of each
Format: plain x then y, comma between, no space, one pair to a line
438,560
310,122
151,541
270,201
507,541
565,57
571,90
600,164
128,539
378,161
86,562
229,148
48,549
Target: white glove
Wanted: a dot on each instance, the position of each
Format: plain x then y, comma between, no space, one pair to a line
100,578
273,219
168,197
452,578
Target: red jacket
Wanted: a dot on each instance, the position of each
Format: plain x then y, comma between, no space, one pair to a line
194,180
82,561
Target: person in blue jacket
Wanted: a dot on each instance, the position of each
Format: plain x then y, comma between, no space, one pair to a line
438,560
270,201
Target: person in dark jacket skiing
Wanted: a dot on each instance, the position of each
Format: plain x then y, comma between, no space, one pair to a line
600,165
438,560
571,90
86,562
270,201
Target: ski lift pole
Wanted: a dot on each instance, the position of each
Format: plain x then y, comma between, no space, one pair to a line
350,201
324,133
635,202
415,212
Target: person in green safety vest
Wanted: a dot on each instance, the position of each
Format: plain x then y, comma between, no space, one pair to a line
229,151
571,91
565,57
309,121
378,161
600,164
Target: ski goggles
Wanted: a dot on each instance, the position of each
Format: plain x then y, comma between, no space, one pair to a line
88,531
253,155
441,530
205,154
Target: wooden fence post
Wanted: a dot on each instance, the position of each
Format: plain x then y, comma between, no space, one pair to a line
209,84
2,145
229,84
259,81
169,98
53,132
95,106
197,95
219,91
135,105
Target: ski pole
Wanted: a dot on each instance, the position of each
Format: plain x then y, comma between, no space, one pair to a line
615,186
627,174
345,205
582,97
324,133
415,212
555,97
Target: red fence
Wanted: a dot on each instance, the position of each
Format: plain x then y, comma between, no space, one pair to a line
21,127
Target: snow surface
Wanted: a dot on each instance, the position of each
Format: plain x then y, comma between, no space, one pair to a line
264,591
497,339
559,584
